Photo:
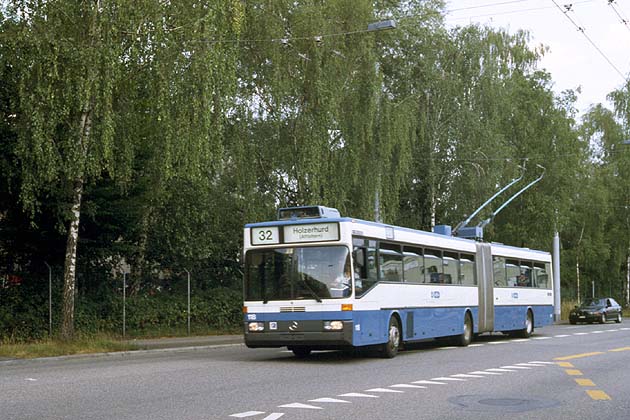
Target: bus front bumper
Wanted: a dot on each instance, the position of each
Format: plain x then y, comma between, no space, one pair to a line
304,334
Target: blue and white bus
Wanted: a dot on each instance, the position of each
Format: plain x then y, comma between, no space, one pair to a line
314,280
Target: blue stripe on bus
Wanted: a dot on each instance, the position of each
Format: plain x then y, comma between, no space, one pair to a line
370,327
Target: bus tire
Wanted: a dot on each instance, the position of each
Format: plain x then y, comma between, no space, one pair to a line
389,350
465,338
529,326
301,352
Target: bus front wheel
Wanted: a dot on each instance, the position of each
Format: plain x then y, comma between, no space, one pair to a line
390,349
300,352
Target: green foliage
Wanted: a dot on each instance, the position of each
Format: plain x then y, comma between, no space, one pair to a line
206,115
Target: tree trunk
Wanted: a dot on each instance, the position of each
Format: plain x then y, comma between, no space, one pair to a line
69,275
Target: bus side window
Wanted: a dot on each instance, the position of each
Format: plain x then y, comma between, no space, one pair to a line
499,272
433,266
390,262
540,276
467,270
451,268
413,265
372,276
513,272
359,269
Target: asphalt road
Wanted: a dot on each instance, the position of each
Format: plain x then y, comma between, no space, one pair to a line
562,372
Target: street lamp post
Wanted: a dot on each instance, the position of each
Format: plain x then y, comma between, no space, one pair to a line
627,143
382,25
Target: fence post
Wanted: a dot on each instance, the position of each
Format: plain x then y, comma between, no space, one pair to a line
126,269
49,300
188,276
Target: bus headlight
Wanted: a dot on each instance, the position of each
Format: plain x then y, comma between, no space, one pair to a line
256,326
333,325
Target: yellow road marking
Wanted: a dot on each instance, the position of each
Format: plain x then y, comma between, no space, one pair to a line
597,394
621,349
579,356
573,372
584,382
565,364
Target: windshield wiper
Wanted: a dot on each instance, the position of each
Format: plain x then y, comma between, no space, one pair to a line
317,298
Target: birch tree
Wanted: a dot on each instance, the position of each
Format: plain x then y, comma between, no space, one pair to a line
78,120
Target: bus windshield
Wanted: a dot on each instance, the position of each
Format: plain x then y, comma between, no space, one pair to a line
297,273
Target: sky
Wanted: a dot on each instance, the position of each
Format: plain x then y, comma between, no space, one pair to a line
596,67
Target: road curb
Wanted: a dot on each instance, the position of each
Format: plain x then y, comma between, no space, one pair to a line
121,354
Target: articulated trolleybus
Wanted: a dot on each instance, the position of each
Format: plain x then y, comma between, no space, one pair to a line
315,280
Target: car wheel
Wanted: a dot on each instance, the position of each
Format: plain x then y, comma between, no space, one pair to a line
618,320
390,349
603,320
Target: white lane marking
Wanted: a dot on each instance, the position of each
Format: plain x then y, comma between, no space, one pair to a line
478,372
467,375
530,364
498,342
31,379
500,370
247,414
521,340
624,329
542,363
580,333
476,345
448,348
358,395
562,335
542,338
515,367
329,400
300,405
448,379
273,416
407,386
613,330
382,390
429,382
598,332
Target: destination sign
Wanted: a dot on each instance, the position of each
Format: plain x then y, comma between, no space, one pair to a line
311,233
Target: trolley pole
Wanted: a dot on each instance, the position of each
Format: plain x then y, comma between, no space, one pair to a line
556,277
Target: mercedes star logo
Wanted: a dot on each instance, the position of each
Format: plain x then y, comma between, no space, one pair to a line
294,326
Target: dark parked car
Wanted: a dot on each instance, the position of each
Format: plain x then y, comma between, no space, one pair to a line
600,310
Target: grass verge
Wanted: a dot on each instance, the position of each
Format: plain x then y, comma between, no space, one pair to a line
54,347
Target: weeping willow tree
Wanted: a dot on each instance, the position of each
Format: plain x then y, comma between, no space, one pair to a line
101,82
313,118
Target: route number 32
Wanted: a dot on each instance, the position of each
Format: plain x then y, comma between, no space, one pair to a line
265,235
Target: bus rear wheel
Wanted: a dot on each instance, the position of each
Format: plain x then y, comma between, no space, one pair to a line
390,349
529,326
465,338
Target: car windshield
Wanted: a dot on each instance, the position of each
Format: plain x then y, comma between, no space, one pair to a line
594,302
297,273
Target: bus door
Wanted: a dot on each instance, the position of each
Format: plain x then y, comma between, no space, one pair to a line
485,283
